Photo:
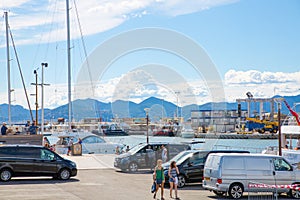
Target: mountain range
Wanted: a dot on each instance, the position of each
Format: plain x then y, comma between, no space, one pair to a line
90,108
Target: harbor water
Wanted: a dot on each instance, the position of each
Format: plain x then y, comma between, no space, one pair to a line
252,145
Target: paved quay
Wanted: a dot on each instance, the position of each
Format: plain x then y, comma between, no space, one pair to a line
96,180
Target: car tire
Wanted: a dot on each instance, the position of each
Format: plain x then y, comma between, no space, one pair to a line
294,194
64,174
218,193
236,191
5,175
181,181
133,167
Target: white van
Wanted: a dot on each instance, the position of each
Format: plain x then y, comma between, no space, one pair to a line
238,173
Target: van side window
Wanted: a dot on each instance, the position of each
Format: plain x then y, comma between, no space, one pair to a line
233,163
176,149
258,164
8,152
47,155
143,150
27,152
281,165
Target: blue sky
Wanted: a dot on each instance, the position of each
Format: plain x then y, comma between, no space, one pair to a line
254,44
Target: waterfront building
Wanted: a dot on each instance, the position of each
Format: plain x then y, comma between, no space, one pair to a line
216,120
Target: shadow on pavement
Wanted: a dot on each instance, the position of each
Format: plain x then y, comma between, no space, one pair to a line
25,181
138,172
187,187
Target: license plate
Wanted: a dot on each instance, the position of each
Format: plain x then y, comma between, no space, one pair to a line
207,178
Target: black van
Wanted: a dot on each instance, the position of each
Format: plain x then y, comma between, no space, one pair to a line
144,156
25,160
191,164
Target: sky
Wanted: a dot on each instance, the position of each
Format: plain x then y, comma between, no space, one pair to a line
236,46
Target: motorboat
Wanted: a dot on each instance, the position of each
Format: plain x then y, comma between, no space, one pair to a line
112,130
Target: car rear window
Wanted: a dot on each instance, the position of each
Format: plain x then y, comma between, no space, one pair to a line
213,162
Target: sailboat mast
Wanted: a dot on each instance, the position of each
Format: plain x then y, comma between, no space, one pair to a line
8,69
69,65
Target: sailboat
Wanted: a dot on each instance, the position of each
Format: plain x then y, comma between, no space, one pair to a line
16,139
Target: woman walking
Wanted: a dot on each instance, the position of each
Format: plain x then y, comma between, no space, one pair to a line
173,180
159,179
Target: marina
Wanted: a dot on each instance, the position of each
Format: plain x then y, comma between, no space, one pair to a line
109,99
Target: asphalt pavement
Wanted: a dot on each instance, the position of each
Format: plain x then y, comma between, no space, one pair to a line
97,179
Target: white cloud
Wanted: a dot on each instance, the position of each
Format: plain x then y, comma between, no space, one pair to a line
191,92
257,77
261,84
34,21
6,5
181,7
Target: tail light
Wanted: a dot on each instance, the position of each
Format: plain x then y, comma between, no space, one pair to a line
219,181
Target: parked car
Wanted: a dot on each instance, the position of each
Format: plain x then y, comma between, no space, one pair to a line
91,143
191,164
25,160
144,156
233,173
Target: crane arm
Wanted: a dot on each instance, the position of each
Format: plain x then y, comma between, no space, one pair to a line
293,113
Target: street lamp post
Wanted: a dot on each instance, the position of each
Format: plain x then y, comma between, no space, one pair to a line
42,85
147,121
36,98
279,128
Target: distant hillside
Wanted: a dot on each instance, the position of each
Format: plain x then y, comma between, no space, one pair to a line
90,108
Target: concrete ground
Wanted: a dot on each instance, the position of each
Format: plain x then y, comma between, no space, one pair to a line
97,179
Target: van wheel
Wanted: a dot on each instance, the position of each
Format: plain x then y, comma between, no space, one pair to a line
5,175
133,167
64,174
294,193
181,181
218,193
236,191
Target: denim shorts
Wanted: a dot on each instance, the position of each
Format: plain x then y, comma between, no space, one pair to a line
159,181
173,180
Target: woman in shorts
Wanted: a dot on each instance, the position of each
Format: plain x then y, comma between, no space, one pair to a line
173,179
159,178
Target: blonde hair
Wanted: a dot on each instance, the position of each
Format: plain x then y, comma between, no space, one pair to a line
158,162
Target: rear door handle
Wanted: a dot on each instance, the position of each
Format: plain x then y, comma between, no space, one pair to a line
274,173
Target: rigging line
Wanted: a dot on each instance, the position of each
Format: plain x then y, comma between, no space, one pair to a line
84,48
20,70
50,29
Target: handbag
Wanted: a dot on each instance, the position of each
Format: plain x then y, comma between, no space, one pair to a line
153,187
